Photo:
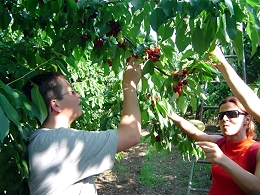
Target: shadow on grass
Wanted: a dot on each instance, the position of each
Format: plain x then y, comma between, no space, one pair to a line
146,172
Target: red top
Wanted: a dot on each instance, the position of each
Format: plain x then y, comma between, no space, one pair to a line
222,183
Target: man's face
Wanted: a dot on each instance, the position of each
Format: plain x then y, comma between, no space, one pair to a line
70,104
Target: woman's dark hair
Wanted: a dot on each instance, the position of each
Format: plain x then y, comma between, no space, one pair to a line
250,131
49,86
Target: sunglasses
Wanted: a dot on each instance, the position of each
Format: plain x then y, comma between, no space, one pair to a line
72,92
230,114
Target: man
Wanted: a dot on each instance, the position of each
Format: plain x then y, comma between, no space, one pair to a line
64,160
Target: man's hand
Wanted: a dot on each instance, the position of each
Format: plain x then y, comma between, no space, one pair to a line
133,73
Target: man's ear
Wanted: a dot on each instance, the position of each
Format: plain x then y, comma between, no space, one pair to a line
54,106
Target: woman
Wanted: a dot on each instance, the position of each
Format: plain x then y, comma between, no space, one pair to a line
230,174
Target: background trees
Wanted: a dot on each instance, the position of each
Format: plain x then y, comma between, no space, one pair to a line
90,41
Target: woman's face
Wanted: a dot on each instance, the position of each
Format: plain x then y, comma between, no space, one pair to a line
233,127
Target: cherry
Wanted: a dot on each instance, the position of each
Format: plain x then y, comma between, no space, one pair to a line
122,45
109,62
184,71
149,51
184,82
152,104
180,83
94,15
157,138
175,88
41,1
84,37
154,59
98,43
157,49
81,21
179,90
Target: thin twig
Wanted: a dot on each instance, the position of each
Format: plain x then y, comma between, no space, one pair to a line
29,72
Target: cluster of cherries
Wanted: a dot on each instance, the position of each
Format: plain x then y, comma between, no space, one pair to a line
154,54
114,28
178,88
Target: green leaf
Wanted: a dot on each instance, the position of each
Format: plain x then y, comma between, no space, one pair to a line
252,33
230,6
148,68
157,18
182,40
253,3
5,20
38,100
72,6
187,54
4,124
10,112
166,31
198,42
209,29
138,4
238,45
197,6
62,66
231,27
162,108
182,104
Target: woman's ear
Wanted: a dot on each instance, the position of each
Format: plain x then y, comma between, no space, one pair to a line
54,106
247,119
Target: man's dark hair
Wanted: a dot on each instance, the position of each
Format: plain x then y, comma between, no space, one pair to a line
49,86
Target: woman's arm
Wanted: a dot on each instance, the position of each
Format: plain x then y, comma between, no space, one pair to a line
191,130
248,182
240,89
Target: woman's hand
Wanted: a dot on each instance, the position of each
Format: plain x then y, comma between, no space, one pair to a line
212,151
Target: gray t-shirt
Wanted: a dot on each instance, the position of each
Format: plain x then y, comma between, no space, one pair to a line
63,161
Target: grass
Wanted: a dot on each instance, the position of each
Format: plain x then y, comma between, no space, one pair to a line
150,175
150,172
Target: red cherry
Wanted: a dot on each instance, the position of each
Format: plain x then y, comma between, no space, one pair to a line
179,90
157,49
156,55
135,56
41,1
157,98
128,59
84,37
184,82
180,83
109,62
149,51
158,138
184,71
175,88
154,59
98,43
153,104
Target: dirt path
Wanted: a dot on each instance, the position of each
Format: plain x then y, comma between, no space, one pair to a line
124,179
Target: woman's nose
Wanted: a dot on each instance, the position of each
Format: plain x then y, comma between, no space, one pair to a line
225,117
